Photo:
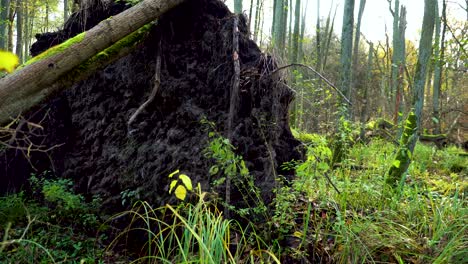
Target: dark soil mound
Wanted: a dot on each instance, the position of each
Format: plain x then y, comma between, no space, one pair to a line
105,157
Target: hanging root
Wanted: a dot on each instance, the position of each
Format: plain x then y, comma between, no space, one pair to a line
157,83
233,104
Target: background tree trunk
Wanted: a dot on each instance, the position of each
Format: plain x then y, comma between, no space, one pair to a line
439,53
19,29
357,36
395,43
11,19
65,10
257,20
425,51
365,101
26,35
400,60
238,6
346,51
295,48
4,15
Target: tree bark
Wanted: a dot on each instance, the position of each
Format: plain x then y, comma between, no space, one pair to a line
425,51
11,19
439,53
4,15
19,29
400,60
295,48
347,50
43,71
257,21
355,66
65,10
238,6
365,102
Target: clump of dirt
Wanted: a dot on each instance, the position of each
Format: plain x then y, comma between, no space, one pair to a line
106,157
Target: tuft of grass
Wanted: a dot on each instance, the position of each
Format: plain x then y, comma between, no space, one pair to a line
189,233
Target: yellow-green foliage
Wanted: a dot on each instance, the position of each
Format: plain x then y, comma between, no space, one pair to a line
424,223
306,138
55,49
8,61
379,123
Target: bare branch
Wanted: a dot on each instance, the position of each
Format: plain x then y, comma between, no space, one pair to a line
318,74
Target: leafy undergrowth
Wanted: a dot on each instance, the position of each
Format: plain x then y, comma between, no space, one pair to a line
326,215
424,222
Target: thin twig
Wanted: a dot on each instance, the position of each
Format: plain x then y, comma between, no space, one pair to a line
462,49
318,74
157,83
332,184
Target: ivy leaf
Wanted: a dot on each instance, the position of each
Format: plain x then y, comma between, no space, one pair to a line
180,192
173,184
186,180
8,61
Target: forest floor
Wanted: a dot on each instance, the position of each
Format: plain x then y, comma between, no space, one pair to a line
326,215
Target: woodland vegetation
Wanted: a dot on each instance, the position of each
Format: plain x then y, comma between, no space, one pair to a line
379,173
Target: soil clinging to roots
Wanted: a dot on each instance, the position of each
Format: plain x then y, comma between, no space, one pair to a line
105,156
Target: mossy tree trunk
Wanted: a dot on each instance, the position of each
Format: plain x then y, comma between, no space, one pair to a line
31,84
409,136
404,154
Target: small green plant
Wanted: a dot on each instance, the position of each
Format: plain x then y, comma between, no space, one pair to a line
54,227
342,140
283,220
229,165
130,196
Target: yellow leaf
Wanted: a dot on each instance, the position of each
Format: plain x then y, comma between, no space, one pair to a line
180,192
174,173
8,61
297,234
173,184
186,180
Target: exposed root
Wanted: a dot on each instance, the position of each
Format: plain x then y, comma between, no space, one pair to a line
234,102
157,83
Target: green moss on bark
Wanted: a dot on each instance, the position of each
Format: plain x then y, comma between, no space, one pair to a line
404,155
55,49
126,42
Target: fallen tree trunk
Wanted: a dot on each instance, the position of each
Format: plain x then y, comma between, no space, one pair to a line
20,90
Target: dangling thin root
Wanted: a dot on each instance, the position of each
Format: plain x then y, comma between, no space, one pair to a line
157,83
